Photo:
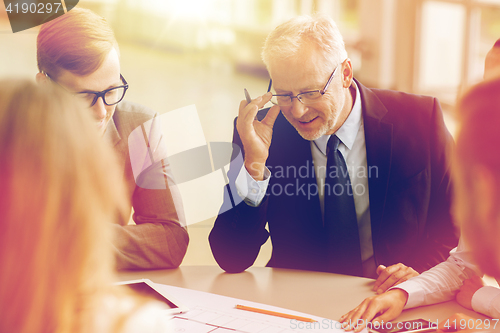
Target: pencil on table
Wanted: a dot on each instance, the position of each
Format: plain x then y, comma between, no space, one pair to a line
273,313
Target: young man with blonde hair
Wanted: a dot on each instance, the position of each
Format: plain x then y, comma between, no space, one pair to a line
357,179
79,52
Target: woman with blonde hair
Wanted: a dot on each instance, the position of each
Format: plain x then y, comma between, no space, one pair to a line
55,206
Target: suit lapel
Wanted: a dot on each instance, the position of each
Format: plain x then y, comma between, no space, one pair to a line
379,144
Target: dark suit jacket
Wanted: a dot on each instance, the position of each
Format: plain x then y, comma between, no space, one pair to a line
407,148
159,239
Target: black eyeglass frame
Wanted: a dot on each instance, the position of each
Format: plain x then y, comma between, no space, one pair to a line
103,93
99,93
322,91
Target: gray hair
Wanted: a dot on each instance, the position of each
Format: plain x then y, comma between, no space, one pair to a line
287,38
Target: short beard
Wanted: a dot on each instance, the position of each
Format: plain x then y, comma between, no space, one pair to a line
311,136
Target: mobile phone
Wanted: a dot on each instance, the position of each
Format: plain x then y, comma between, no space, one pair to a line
410,326
147,288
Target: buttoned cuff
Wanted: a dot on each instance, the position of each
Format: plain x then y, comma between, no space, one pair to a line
486,300
251,190
414,291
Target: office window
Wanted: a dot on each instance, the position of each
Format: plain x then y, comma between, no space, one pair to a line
493,2
349,20
487,33
442,46
455,36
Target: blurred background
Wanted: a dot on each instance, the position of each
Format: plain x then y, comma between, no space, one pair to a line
176,53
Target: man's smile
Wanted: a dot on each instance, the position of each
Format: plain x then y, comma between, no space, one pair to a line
308,121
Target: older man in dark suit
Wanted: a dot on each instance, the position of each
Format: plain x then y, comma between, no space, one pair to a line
350,180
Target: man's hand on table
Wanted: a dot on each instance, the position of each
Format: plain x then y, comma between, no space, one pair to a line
386,307
391,276
470,286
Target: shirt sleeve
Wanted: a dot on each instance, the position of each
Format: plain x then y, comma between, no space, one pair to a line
443,281
486,300
251,190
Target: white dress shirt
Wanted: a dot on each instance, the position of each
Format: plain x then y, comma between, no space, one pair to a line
442,282
353,149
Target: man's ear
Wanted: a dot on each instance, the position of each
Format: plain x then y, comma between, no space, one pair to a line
347,73
41,78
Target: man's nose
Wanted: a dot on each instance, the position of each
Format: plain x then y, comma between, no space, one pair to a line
298,109
99,109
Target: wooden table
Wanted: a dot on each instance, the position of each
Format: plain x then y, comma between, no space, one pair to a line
322,294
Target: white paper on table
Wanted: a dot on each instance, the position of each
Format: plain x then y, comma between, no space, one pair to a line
184,325
217,314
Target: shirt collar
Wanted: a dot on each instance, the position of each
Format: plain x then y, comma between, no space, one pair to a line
349,129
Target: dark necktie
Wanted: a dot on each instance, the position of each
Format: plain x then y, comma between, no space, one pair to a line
341,224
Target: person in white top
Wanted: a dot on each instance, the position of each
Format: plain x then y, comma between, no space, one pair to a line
459,276
56,254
